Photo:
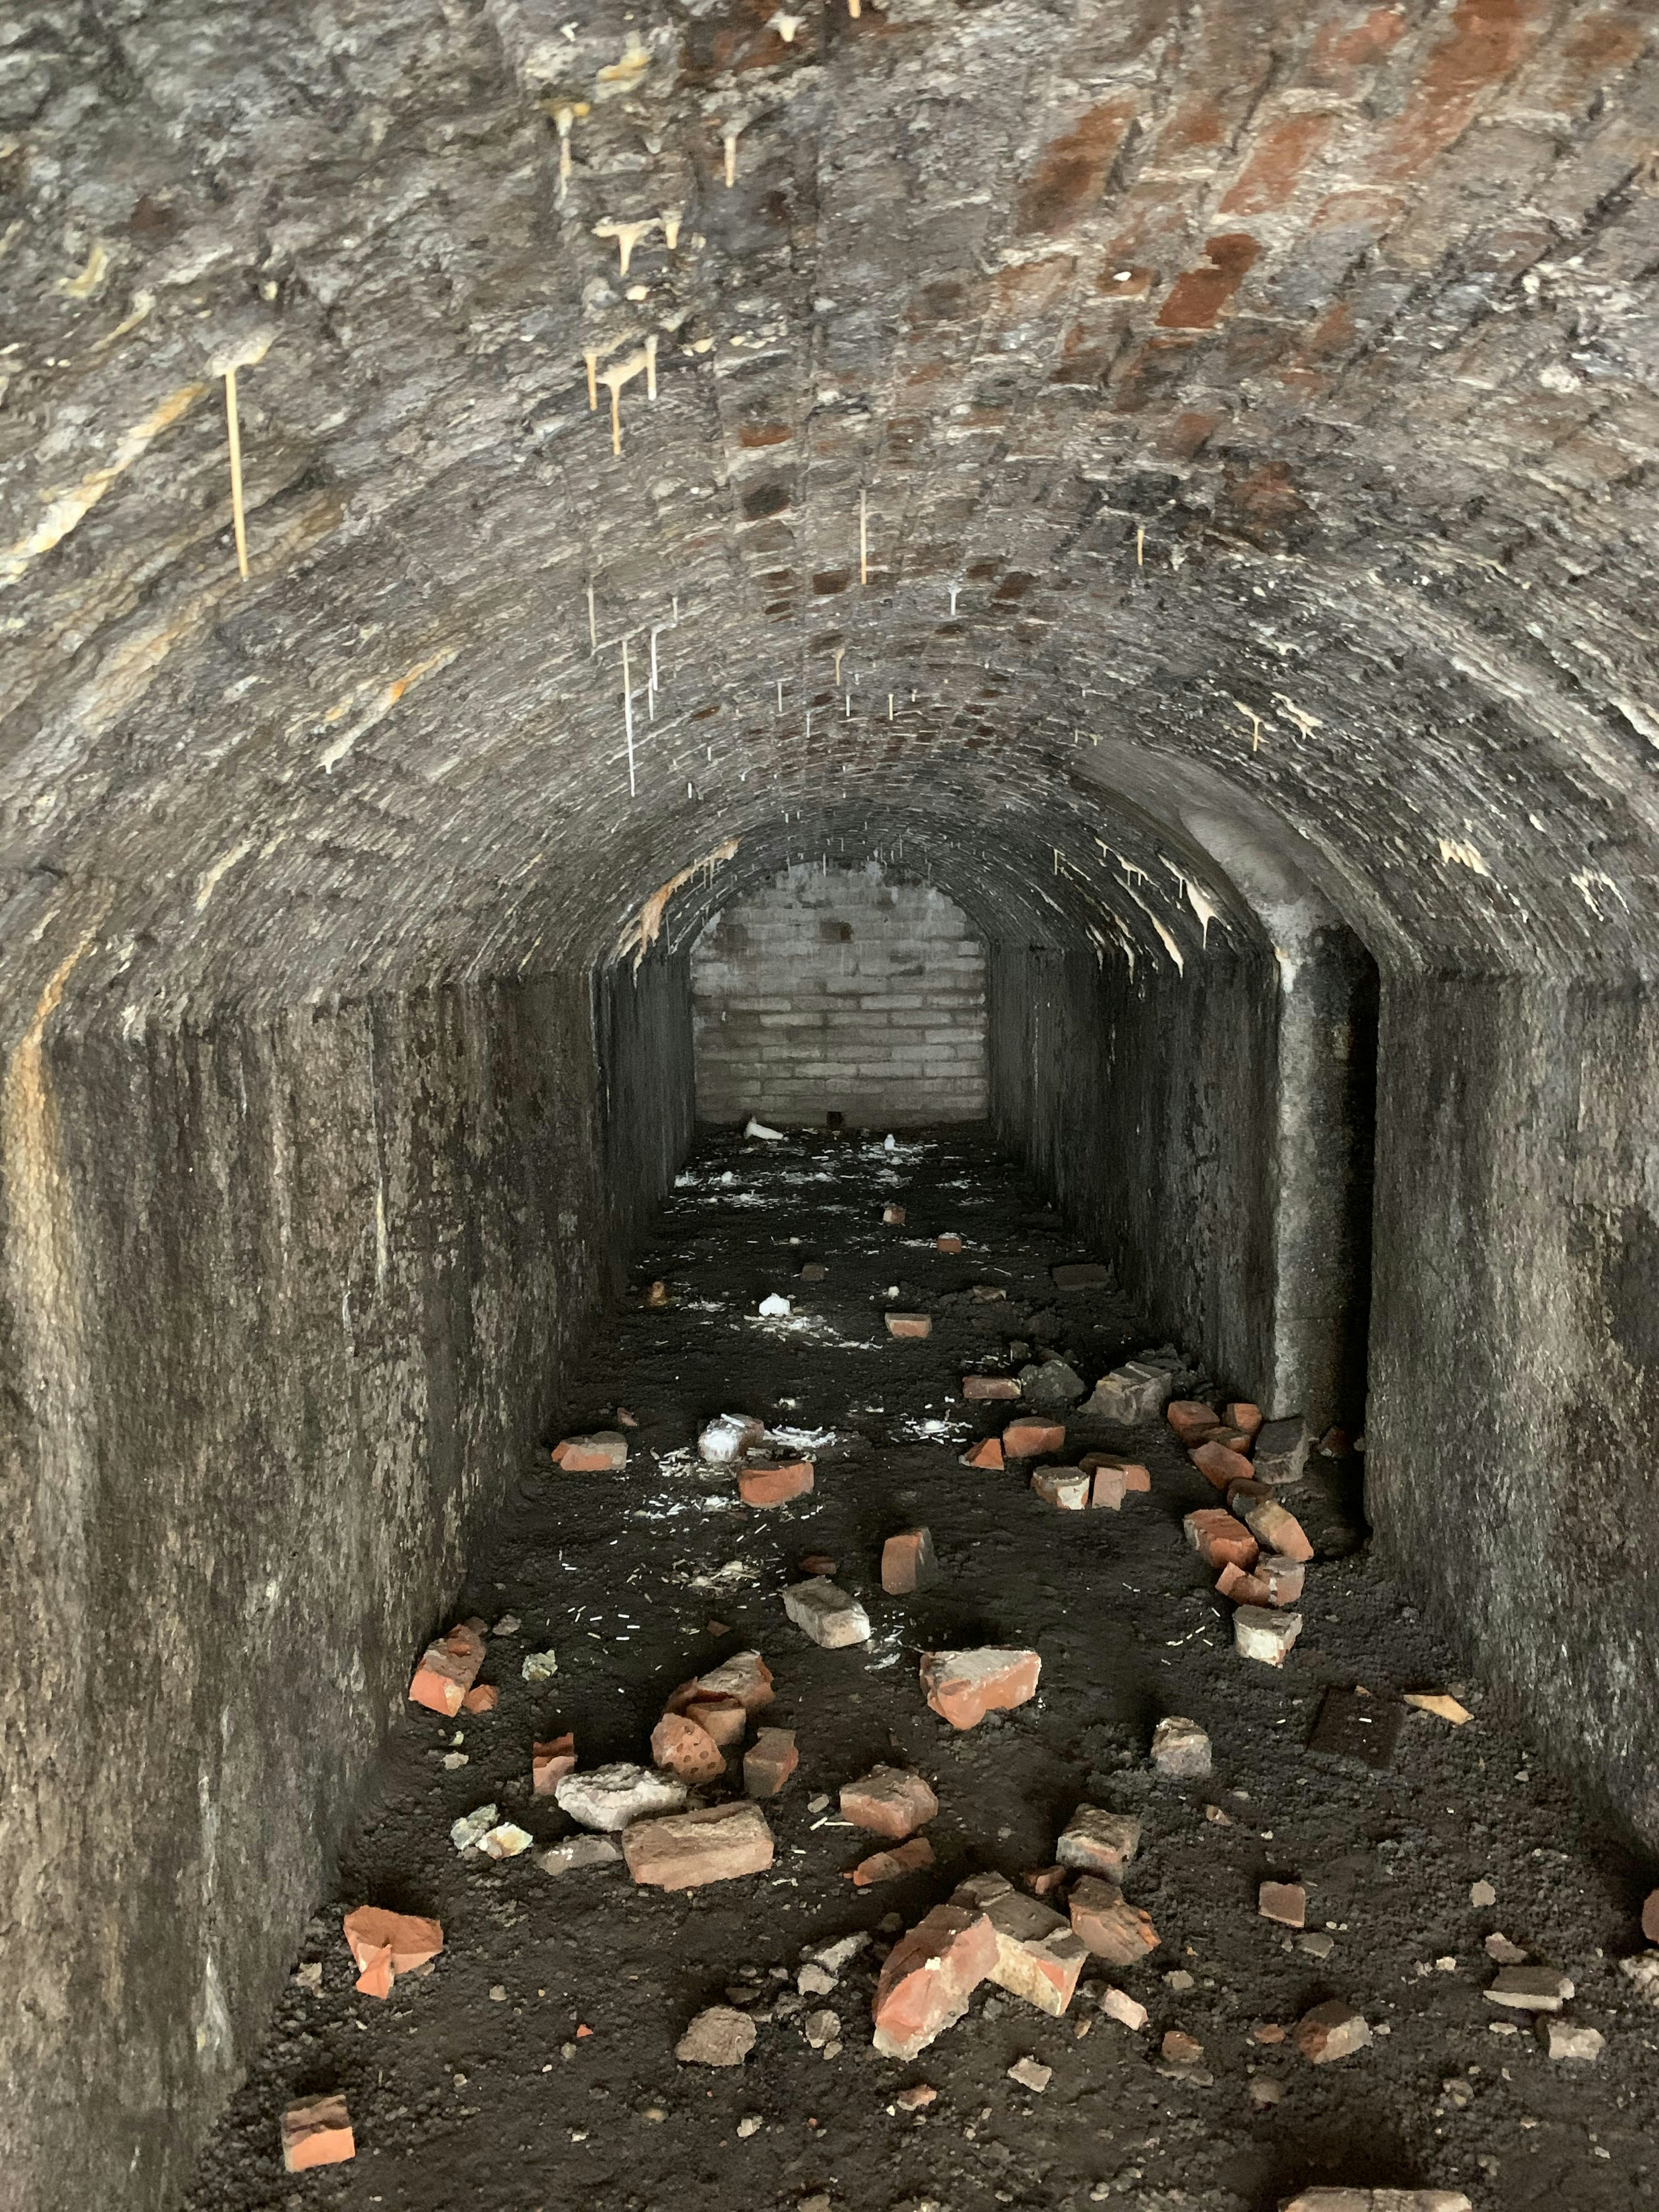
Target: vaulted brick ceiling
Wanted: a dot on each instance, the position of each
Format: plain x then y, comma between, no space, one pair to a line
1251,410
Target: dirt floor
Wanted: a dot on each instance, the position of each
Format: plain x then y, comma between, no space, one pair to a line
534,2067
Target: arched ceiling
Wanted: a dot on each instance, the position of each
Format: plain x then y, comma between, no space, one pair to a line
1251,410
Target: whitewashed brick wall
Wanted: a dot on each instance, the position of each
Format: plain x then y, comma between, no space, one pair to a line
854,991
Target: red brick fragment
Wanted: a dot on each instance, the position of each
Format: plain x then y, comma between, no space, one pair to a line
1066,1487
679,1747
775,1486
929,1976
948,1243
1220,1466
719,1714
744,1676
1043,1881
684,1851
1651,1916
447,1670
1277,1530
551,1762
317,2131
888,1866
605,1452
1118,1932
1244,1415
1219,1538
376,1978
1287,1902
989,1386
889,1800
963,1686
1135,1475
404,1939
1191,1420
769,1761
989,1453
483,1698
814,1564
1274,1582
907,1561
908,1324
1032,1439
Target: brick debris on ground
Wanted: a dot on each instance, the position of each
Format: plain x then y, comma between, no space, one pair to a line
531,2061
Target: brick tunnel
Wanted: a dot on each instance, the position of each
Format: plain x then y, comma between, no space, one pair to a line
1075,577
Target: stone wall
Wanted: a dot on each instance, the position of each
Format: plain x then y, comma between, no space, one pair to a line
283,1312
835,989
1210,1129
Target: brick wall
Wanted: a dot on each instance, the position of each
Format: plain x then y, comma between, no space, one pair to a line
849,990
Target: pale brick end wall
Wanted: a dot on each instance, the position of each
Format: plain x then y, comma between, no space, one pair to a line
852,991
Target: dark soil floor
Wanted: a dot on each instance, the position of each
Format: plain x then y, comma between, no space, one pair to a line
479,2086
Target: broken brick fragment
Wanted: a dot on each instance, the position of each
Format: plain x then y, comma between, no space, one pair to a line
1039,1955
744,1676
1220,1465
986,1387
1130,1394
1191,1420
551,1762
892,1215
1282,1450
724,1717
1106,1487
1114,1929
1136,1475
687,1849
447,1670
1287,1902
1277,1529
889,1800
1181,1748
1331,2030
1098,1842
1244,1416
1043,1882
775,1486
986,1455
679,1747
827,1615
1068,1487
888,1866
769,1761
604,1452
963,1686
376,1978
907,1561
317,2131
928,1978
948,1243
814,1564
1220,1538
1259,1633
1032,1439
908,1324
1651,1916
1272,1581
483,1698
405,1939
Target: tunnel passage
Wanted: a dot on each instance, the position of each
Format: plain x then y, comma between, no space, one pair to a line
1185,475
858,994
